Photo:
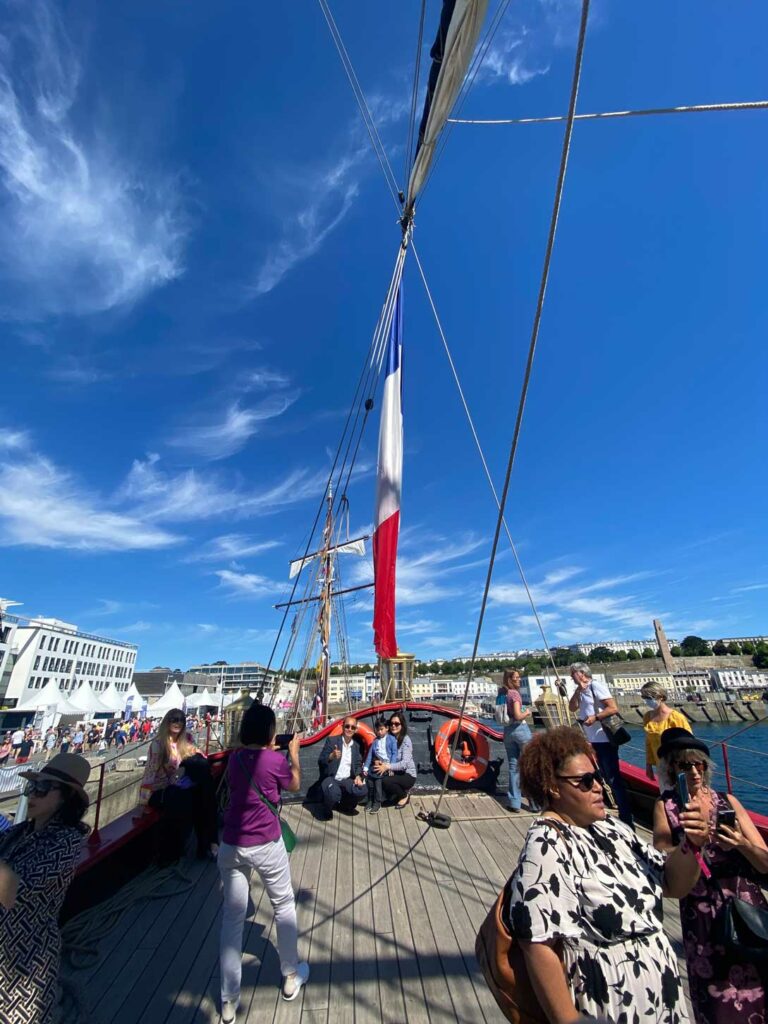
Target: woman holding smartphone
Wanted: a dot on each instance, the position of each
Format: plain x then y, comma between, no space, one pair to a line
736,856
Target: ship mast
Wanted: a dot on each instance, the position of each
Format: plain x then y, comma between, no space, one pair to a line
324,617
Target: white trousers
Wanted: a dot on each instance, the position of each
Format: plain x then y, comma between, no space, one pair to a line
270,860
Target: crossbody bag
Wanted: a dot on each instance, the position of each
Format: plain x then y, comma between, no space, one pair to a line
613,725
289,836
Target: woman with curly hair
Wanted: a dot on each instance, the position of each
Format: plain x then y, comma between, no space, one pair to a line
587,890
722,992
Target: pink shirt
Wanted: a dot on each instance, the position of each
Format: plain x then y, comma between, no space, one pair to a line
513,697
247,820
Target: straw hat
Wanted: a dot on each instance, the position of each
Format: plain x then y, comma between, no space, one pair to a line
70,769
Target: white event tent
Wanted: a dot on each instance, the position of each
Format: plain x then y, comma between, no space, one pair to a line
172,698
86,701
202,700
50,696
113,699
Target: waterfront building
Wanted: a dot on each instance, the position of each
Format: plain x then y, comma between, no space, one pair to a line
245,675
738,679
614,646
632,682
8,625
40,651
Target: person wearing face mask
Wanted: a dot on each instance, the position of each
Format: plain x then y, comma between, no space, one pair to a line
656,720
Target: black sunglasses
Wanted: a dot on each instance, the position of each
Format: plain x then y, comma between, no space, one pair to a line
177,718
583,782
352,727
398,724
685,766
41,788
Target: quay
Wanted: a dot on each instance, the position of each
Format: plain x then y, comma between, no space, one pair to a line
388,911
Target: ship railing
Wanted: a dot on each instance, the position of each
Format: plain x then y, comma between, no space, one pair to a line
11,782
206,740
721,749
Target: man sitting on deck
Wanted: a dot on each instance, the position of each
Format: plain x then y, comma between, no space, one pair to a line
341,766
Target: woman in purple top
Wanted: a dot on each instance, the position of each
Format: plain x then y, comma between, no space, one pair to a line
252,840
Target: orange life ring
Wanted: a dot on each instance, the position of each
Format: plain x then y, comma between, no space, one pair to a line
474,751
364,731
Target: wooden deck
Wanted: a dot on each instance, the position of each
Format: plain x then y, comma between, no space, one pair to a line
388,911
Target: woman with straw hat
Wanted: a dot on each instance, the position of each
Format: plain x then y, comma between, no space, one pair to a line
37,863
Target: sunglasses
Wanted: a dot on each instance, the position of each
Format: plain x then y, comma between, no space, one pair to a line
685,766
42,788
583,782
353,728
177,720
396,725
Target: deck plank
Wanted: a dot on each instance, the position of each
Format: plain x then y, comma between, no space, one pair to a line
387,912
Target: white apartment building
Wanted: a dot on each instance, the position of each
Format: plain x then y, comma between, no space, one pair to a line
49,649
738,679
245,675
633,682
614,646
8,626
364,688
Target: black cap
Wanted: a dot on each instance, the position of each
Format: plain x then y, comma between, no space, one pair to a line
674,740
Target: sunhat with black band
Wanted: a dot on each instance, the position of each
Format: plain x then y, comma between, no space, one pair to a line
675,740
68,769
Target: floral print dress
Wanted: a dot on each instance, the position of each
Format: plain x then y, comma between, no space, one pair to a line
597,890
720,994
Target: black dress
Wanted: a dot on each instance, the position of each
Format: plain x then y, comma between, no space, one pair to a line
30,943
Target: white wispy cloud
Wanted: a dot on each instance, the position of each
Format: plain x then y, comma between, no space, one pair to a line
262,379
327,192
42,505
14,440
82,229
160,495
524,45
750,587
247,584
222,437
229,546
76,373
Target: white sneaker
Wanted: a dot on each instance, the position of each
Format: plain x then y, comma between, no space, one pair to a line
292,983
229,1009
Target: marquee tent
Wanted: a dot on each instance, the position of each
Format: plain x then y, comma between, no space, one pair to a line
172,698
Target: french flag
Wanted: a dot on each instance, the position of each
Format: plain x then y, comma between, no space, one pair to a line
388,485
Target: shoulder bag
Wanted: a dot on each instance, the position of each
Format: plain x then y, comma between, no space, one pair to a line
613,725
741,928
501,714
502,962
289,836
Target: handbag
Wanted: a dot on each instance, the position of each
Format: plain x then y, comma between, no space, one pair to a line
289,836
613,726
741,928
503,964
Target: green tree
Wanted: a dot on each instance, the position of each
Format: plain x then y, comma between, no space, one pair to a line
676,651
648,653
563,656
734,648
633,655
760,657
600,654
719,649
620,656
747,647
695,647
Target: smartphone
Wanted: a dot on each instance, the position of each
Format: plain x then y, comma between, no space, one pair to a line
726,818
283,739
682,789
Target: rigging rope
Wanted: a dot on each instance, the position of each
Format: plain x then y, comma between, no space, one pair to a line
479,447
568,135
699,108
370,125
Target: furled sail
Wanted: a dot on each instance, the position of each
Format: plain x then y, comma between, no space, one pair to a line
350,547
451,53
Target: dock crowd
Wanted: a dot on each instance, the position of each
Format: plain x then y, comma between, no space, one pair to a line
582,906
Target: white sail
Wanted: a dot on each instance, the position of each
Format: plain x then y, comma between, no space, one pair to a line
454,56
350,547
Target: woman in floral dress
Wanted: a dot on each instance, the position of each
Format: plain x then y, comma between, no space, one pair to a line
587,890
721,992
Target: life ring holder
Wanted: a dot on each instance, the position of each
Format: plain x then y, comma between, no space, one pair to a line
475,763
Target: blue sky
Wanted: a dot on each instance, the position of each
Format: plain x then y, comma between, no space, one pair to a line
195,242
